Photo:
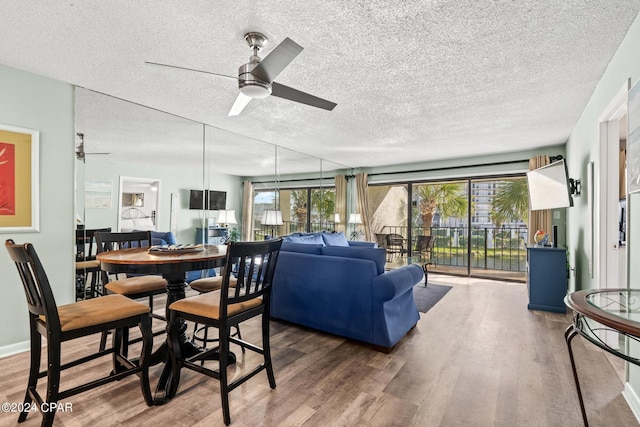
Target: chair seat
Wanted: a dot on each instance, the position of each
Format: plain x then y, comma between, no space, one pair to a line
88,265
209,284
208,305
136,285
96,311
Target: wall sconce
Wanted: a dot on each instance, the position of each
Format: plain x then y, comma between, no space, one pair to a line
575,187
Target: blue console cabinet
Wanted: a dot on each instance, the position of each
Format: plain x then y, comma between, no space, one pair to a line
547,278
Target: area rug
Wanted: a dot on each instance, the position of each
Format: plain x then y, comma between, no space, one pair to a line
427,297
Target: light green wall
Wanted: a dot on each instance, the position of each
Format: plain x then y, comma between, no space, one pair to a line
34,102
173,180
583,147
45,105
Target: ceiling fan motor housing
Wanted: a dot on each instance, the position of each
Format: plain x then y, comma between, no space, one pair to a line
249,84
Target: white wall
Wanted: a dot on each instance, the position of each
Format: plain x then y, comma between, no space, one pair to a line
45,105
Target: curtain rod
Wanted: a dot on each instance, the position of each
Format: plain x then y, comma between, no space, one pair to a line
444,168
292,180
508,162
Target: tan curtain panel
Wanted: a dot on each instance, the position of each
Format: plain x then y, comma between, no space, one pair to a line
539,220
341,202
362,183
247,211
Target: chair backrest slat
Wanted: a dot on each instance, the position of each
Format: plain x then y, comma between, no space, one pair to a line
112,241
256,263
108,241
36,285
86,247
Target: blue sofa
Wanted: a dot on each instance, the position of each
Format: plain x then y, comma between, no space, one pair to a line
341,287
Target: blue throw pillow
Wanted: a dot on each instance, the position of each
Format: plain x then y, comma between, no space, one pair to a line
335,239
310,239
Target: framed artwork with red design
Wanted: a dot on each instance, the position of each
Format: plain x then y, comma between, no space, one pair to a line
19,166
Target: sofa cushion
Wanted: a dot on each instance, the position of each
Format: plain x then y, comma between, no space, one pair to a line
335,239
305,248
312,239
377,255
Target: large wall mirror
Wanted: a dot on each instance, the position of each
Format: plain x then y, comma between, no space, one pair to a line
139,167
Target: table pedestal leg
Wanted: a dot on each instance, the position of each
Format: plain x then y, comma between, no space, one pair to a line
569,335
175,291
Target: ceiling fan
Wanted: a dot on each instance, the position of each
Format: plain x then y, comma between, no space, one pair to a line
80,153
256,78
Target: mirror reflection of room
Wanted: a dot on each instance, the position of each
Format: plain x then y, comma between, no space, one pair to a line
139,203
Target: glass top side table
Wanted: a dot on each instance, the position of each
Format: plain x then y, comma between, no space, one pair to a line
599,310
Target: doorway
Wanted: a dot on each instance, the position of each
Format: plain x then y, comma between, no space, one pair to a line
139,201
610,254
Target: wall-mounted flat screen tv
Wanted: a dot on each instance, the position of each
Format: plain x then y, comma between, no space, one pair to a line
215,200
549,187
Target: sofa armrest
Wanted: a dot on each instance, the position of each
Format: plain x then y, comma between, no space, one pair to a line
361,244
396,282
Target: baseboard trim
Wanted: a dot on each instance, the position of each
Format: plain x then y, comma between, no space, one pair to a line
632,400
11,349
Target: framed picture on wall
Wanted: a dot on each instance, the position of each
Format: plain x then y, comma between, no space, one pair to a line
633,141
19,179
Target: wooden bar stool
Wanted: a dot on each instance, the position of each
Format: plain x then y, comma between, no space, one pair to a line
75,320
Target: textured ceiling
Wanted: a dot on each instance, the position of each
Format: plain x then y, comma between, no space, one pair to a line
414,80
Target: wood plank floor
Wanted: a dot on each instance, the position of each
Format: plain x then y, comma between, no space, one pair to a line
478,358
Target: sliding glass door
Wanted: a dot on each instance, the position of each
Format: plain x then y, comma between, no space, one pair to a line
469,226
441,210
499,227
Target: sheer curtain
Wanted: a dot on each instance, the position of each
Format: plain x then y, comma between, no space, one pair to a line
247,211
539,220
341,202
362,182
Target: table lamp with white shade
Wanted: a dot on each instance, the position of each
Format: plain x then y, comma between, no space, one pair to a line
356,220
226,218
272,217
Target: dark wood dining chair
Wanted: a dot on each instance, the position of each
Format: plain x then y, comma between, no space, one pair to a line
205,285
86,264
63,323
134,287
225,308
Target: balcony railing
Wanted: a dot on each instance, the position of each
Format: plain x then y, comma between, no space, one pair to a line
492,248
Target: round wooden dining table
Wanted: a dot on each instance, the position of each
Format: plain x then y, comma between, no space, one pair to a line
173,266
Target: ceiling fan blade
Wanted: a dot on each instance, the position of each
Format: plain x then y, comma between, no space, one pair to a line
273,64
286,92
241,101
189,69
